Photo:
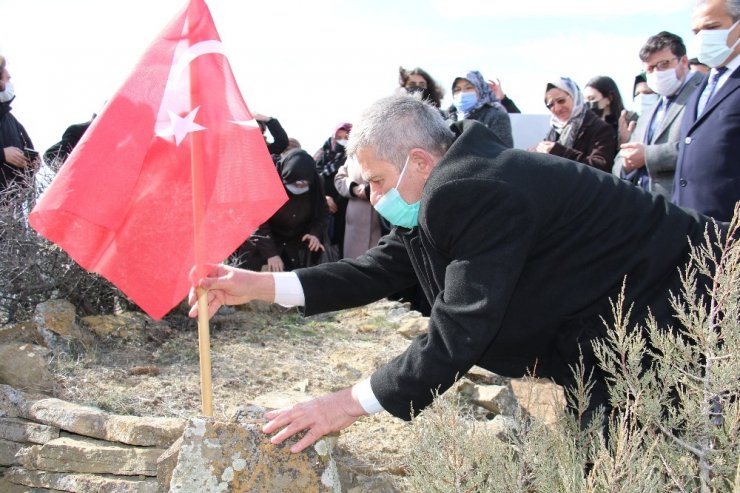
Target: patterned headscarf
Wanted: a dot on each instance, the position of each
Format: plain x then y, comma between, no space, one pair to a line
565,132
485,95
346,126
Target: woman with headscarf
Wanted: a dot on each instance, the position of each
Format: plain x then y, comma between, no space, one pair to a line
291,238
329,159
473,99
576,133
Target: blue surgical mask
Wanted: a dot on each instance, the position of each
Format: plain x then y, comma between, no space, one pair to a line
396,210
465,101
712,46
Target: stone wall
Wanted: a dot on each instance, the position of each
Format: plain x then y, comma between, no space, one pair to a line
47,444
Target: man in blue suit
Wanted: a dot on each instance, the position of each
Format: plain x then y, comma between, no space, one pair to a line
707,175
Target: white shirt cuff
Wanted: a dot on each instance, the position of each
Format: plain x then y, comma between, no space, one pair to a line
288,289
364,393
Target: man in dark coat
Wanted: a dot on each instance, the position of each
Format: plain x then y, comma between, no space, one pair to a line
18,164
518,253
707,175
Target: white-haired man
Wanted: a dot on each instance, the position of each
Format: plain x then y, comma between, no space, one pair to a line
518,254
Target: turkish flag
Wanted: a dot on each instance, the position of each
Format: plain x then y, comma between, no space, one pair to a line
173,172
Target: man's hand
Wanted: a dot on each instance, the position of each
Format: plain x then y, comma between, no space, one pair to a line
275,264
229,286
633,154
320,416
15,156
625,129
313,243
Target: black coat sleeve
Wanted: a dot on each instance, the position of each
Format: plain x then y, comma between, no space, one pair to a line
382,271
279,136
485,238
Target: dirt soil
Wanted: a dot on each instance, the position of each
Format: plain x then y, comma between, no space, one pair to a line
258,350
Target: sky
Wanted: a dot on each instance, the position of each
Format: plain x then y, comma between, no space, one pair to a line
313,64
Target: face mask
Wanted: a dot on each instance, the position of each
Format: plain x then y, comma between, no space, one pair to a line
712,46
342,142
465,101
645,102
8,94
594,106
396,210
295,190
664,82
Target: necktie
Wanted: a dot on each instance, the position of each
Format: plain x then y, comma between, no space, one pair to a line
658,116
712,86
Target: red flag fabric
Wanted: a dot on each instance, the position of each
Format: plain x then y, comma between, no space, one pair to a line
122,204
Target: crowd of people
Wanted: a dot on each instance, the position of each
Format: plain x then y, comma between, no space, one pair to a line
589,125
520,254
515,254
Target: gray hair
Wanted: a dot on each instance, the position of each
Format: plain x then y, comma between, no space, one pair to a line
394,125
733,8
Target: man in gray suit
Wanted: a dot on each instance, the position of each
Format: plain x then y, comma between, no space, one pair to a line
649,158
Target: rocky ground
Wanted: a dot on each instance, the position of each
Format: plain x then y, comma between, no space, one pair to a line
261,354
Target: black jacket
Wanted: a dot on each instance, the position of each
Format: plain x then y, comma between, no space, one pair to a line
12,134
519,254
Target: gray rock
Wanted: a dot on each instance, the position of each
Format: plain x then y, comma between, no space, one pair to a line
411,327
498,399
78,454
23,366
229,457
81,483
22,430
501,426
93,422
8,450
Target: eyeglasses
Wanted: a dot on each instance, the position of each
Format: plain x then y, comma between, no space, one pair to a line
559,101
412,85
661,65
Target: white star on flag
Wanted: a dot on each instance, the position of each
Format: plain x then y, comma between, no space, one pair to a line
180,127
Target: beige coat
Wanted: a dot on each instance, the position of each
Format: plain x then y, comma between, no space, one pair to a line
362,225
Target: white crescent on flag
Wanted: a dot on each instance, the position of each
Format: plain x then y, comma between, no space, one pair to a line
176,97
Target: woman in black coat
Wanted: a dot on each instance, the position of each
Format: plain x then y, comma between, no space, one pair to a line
291,238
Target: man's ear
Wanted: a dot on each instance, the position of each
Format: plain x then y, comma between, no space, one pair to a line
422,160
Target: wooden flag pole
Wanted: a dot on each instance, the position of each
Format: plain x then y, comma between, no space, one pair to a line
196,163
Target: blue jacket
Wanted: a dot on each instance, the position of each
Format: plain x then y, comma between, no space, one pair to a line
707,175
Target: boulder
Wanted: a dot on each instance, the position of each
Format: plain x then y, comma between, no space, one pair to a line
23,366
217,457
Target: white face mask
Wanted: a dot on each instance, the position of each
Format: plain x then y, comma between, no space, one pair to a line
664,82
296,190
8,94
645,102
711,44
342,142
